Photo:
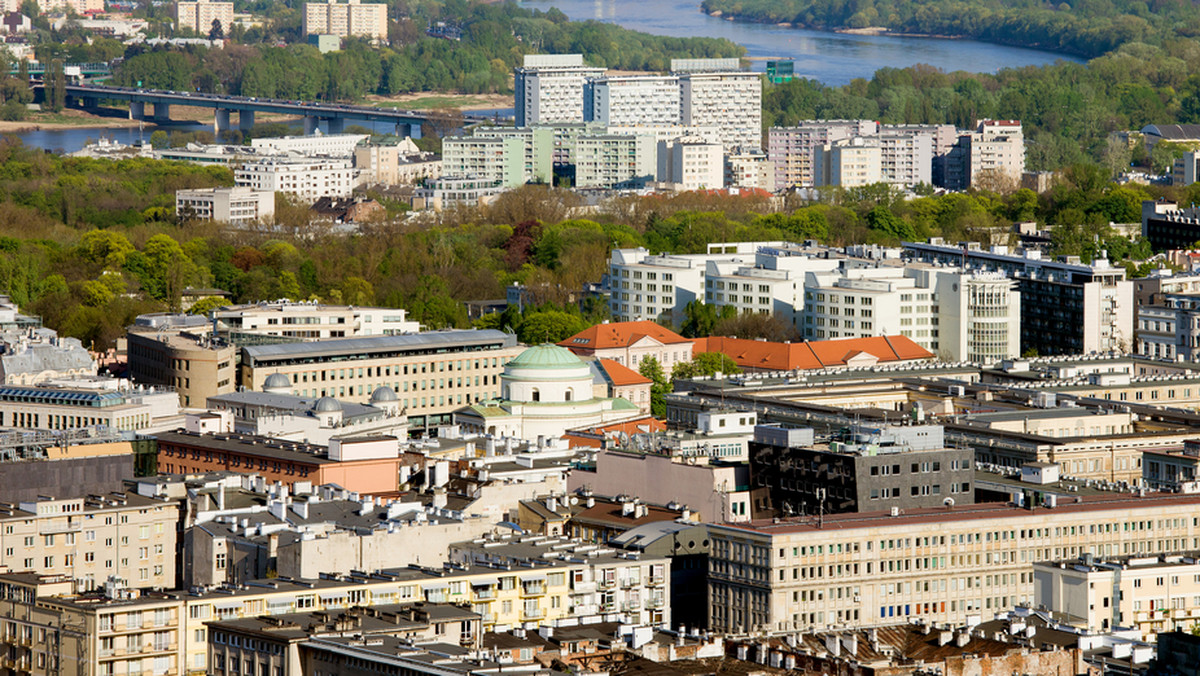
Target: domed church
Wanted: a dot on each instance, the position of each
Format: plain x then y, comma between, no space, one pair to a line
545,391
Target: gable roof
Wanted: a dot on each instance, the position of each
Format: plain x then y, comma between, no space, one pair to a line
620,375
761,355
620,334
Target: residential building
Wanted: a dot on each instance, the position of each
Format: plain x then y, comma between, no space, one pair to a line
866,470
197,365
629,343
546,390
753,356
202,16
855,302
691,164
1066,307
771,284
433,373
729,101
1168,226
236,206
791,149
649,287
395,163
994,153
511,157
75,404
615,161
749,169
632,100
346,19
87,539
979,316
850,163
304,320
941,564
1152,594
306,179
448,191
549,88
55,629
317,143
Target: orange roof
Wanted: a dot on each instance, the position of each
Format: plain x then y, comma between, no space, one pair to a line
593,436
620,334
757,354
622,375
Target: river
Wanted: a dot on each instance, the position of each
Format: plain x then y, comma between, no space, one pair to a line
832,58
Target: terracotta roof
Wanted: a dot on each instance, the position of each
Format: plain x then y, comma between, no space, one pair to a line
622,375
591,437
620,334
757,354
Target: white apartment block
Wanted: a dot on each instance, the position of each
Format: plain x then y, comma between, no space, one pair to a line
395,163
199,16
691,164
346,19
996,149
612,161
1151,594
790,149
649,287
313,321
237,206
632,100
309,180
731,102
549,88
771,284
332,145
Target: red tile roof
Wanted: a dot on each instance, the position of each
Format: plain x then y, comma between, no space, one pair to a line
757,354
620,334
622,375
592,436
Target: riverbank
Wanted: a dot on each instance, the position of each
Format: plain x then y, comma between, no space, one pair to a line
440,100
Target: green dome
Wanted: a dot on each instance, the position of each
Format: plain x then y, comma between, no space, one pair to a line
546,356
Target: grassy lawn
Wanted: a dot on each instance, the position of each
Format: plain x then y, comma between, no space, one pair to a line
436,101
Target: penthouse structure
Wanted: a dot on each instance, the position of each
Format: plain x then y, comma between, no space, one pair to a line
868,469
432,373
310,321
549,88
87,539
941,564
1066,307
346,19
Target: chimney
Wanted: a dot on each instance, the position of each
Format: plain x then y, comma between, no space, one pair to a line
945,637
962,639
439,497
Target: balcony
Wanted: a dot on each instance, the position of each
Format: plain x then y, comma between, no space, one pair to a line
485,595
631,582
538,589
631,606
610,607
585,587
607,583
655,603
533,613
466,639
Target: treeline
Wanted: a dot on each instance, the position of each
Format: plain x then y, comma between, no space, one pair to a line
495,37
88,272
1069,110
1086,28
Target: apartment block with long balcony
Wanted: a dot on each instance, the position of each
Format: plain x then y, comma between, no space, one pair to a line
729,101
632,100
615,161
790,149
346,19
943,564
88,539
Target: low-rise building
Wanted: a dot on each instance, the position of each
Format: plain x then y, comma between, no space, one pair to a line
630,343
312,320
449,191
331,145
74,404
276,412
236,206
396,163
305,179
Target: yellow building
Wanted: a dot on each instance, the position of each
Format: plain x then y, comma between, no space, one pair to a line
200,15
346,19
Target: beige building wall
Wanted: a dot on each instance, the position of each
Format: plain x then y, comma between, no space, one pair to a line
171,358
351,18
199,16
938,565
133,538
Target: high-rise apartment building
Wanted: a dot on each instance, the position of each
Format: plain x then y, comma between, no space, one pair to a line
994,153
632,100
729,101
615,161
549,88
691,164
790,149
346,19
850,163
200,15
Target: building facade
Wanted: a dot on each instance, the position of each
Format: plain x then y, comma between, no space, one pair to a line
236,206
549,88
308,179
203,15
346,19
632,100
729,101
615,161
314,321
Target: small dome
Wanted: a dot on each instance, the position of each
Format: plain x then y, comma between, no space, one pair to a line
277,381
383,394
327,405
546,356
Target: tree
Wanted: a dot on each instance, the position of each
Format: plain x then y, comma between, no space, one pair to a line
659,385
706,364
700,318
549,326
216,32
207,304
159,139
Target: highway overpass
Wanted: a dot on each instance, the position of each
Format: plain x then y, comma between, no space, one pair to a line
407,122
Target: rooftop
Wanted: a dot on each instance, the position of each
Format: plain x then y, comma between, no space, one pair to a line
621,334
